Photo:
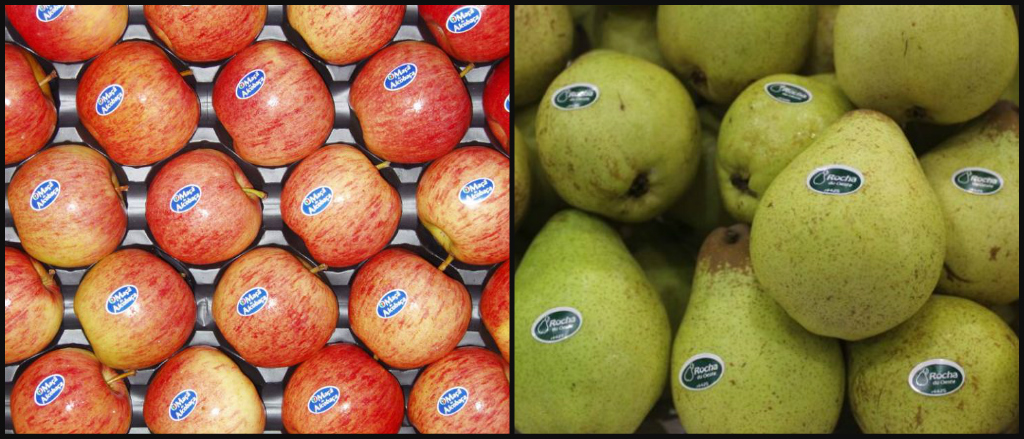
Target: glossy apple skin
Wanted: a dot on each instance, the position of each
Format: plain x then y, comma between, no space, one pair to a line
297,320
479,371
33,306
362,217
474,233
159,114
344,34
224,222
494,308
86,221
417,123
287,119
153,328
495,95
29,115
204,33
228,402
487,41
431,324
87,405
371,400
77,34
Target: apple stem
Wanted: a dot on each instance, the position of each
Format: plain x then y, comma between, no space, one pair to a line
120,377
48,78
258,194
318,268
122,188
51,272
447,262
465,71
186,73
383,165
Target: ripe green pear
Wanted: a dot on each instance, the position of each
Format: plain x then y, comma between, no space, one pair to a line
720,49
954,368
771,123
618,136
668,263
592,337
849,239
543,44
762,372
942,64
522,166
821,58
976,176
544,201
632,30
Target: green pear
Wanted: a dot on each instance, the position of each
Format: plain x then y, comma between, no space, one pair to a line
849,238
701,208
618,136
543,45
954,368
821,59
720,49
522,166
771,123
942,64
631,30
830,79
544,201
668,263
740,364
592,335
587,18
976,176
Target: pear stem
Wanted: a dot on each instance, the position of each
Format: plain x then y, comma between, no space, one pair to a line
48,78
383,165
120,377
259,194
446,263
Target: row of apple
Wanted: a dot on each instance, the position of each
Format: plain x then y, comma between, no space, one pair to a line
411,102
137,311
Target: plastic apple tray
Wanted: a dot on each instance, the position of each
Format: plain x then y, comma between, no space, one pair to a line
210,134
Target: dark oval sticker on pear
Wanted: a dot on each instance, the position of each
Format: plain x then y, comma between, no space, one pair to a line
978,181
835,180
701,372
575,96
788,93
557,325
937,378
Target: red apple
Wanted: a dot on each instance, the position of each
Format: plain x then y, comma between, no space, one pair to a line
201,390
68,391
136,105
203,33
33,306
67,208
344,34
273,309
273,103
135,309
411,103
406,311
29,114
463,200
464,393
202,209
341,390
69,33
470,33
496,103
340,206
494,308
